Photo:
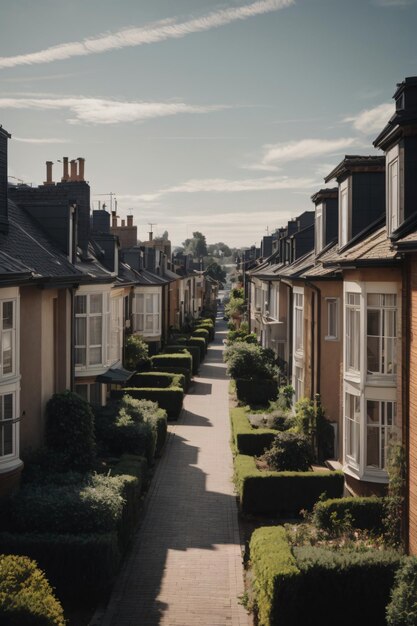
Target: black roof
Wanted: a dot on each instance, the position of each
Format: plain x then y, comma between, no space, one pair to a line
356,162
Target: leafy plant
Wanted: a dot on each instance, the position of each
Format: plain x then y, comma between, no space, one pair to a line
289,452
249,361
136,353
402,609
394,503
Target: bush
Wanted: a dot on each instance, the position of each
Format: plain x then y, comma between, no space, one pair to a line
402,609
256,392
26,598
201,332
193,350
93,505
171,400
290,452
183,372
160,380
248,440
311,584
160,361
69,430
80,567
209,326
249,361
200,343
363,513
282,493
136,354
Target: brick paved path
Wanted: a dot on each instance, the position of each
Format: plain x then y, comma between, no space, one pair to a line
185,568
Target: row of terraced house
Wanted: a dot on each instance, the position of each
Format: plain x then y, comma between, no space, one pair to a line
73,284
336,298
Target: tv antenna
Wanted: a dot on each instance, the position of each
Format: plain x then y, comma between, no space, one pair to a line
110,195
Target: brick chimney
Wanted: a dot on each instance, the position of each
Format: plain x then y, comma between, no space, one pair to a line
130,220
4,221
49,180
65,173
81,165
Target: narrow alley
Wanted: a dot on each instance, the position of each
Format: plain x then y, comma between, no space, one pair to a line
185,566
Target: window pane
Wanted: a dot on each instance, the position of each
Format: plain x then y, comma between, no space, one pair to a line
96,303
7,352
80,356
80,305
96,325
372,447
149,303
80,331
95,394
95,356
7,315
82,391
374,321
373,354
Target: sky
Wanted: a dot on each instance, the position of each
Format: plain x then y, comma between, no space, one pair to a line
221,117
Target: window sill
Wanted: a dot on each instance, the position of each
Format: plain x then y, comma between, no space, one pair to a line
368,476
10,465
331,339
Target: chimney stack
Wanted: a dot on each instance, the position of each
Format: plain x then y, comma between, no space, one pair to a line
49,180
65,174
73,165
4,221
81,163
150,236
130,220
113,219
123,223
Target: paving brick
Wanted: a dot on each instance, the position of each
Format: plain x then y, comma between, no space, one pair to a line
185,566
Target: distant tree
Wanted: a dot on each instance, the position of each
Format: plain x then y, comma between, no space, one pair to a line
165,235
217,272
219,249
197,245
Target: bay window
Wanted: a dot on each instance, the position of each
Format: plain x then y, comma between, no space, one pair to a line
91,329
379,429
352,426
8,338
298,343
352,331
298,321
381,334
147,313
7,437
116,328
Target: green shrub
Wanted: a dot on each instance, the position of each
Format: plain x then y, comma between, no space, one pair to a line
363,513
256,392
282,493
182,371
160,361
200,343
193,350
201,332
402,609
26,597
357,580
209,326
160,380
248,440
93,505
275,573
171,400
136,354
249,361
69,430
80,567
318,585
289,452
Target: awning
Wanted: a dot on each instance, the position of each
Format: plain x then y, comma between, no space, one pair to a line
115,376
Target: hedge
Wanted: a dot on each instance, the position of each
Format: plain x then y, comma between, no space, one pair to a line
169,399
256,392
193,350
119,433
366,513
248,440
26,597
209,326
282,493
200,342
318,585
159,380
160,361
178,370
201,332
81,567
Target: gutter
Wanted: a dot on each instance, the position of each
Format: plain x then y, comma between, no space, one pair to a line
315,376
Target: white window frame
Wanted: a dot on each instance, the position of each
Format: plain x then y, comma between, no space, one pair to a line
395,209
332,304
344,211
367,387
11,460
11,341
383,339
298,343
116,328
88,364
147,323
319,227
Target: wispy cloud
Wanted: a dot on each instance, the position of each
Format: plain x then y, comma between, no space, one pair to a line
393,3
223,185
45,140
152,33
101,111
25,79
274,154
372,120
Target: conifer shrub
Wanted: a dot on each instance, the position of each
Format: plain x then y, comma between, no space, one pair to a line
289,452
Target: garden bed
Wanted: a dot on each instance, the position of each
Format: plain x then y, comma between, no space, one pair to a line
246,439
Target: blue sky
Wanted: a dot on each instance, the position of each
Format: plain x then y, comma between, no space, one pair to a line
221,117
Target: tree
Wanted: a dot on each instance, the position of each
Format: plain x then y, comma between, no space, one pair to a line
219,250
216,271
197,245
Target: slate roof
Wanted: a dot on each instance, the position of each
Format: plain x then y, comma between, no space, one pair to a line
27,251
374,249
320,270
299,267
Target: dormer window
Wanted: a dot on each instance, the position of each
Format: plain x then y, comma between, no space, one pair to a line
319,228
395,211
344,221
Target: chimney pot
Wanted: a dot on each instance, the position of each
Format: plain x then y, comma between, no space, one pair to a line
81,164
49,180
150,236
73,176
130,220
123,222
65,174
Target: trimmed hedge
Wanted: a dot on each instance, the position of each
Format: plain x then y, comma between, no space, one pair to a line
193,350
201,332
248,440
80,567
200,343
26,597
171,400
160,361
256,392
366,513
282,493
157,380
275,572
209,326
179,370
292,586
